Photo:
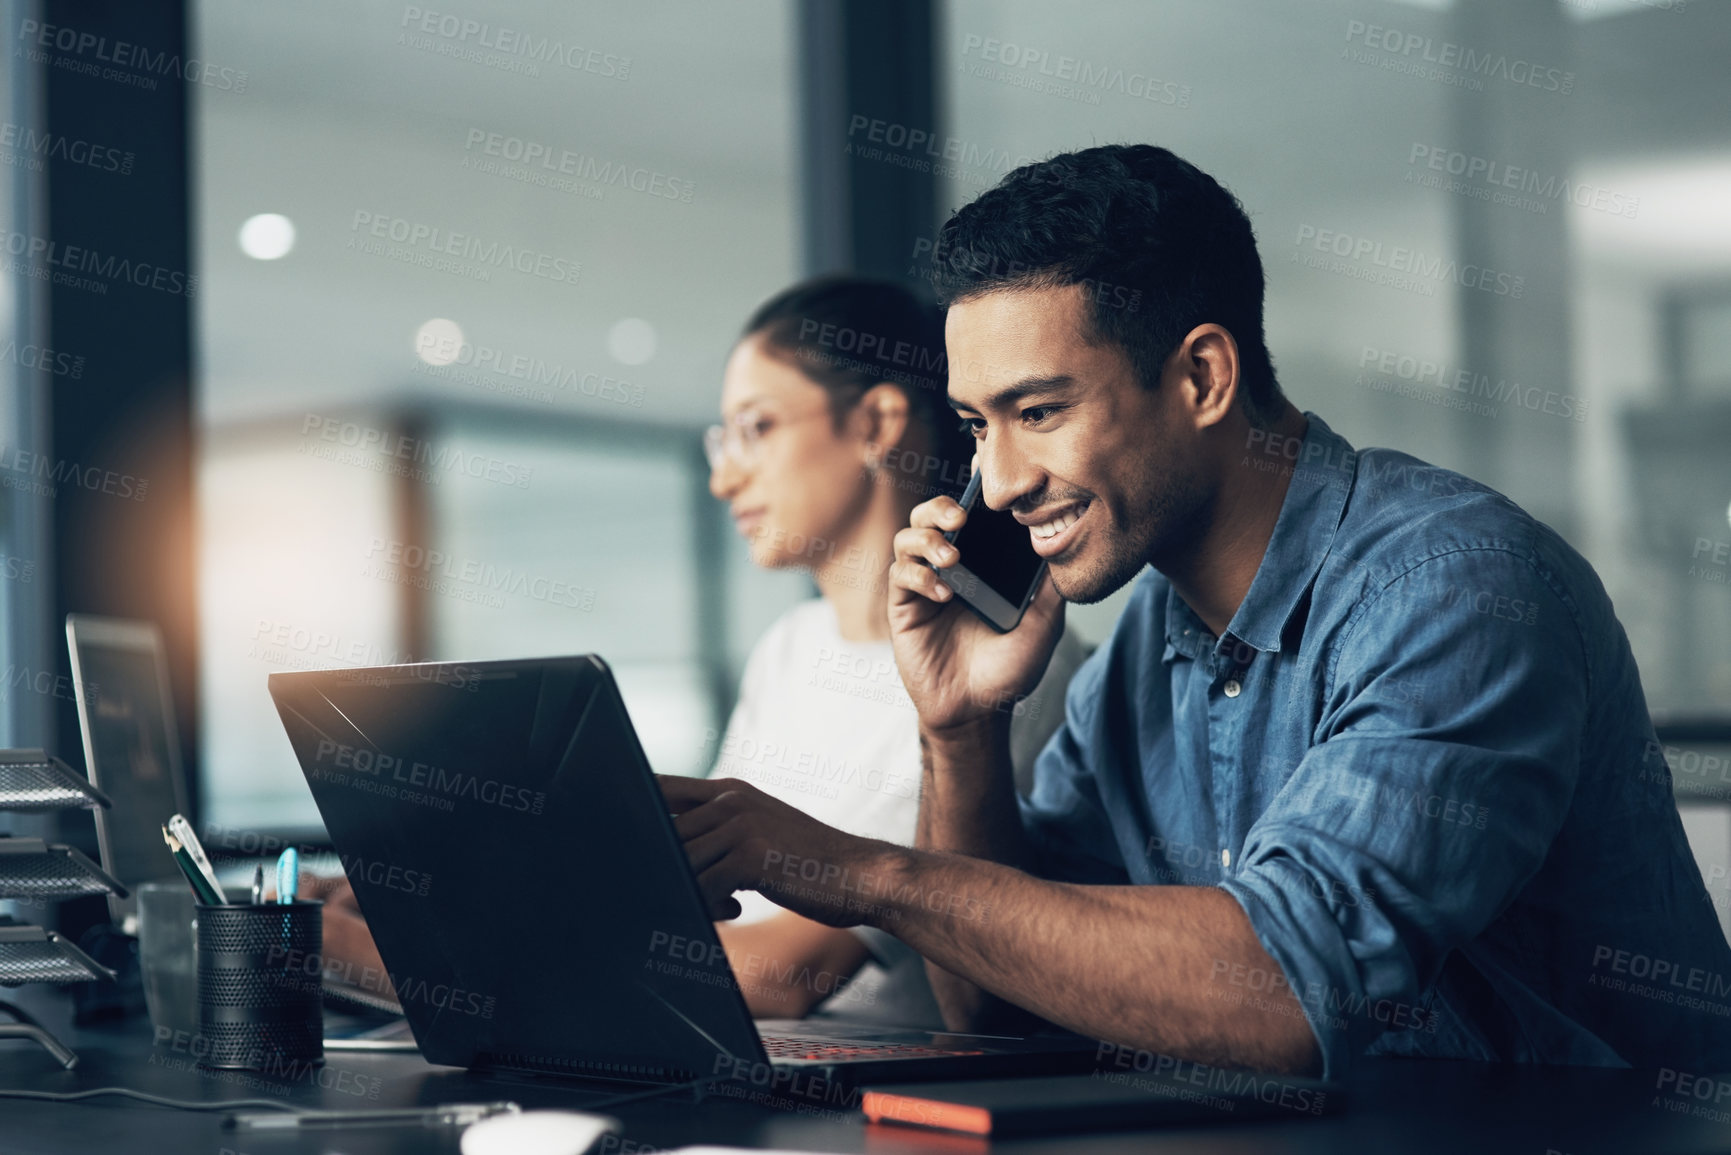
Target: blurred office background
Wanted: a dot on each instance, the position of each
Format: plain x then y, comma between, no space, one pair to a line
1497,234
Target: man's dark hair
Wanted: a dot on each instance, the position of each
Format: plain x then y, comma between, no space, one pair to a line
850,333
1157,244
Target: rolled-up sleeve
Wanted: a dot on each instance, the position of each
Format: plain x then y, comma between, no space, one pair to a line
1445,761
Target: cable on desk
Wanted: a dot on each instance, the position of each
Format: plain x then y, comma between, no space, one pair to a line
278,1105
157,1100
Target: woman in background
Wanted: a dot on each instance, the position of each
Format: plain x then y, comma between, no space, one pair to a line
835,424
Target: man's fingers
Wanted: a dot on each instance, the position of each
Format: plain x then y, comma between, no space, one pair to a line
712,814
717,883
684,794
718,898
927,545
920,579
712,847
699,822
939,513
932,546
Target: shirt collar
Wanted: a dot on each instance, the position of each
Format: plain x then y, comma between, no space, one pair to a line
1322,466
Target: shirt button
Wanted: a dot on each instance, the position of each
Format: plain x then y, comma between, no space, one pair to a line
1232,687
1226,858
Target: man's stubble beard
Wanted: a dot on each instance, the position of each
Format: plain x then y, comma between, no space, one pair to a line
1177,515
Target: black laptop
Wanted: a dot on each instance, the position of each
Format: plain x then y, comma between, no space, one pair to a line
531,899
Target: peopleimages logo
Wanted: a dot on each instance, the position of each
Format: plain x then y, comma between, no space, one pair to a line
1067,76
1438,374
44,682
806,771
44,360
1659,980
1367,259
428,245
439,572
505,44
59,263
335,760
20,469
1484,178
35,145
922,150
388,444
1443,60
1176,1077
531,155
859,890
266,1070
119,60
517,374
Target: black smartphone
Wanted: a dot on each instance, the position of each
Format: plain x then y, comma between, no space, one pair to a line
999,573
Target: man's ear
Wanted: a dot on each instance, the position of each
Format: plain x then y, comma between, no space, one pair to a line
882,416
1207,365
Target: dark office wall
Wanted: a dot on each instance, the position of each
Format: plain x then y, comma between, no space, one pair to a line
866,69
117,80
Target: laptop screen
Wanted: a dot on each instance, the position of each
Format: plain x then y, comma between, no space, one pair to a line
517,866
131,752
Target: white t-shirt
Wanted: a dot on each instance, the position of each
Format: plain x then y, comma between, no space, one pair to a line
825,725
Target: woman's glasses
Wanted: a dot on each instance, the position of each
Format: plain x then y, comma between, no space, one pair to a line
740,440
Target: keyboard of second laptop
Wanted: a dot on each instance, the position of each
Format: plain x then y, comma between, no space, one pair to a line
793,1047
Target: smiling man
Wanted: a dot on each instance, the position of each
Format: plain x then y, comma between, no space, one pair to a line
1365,765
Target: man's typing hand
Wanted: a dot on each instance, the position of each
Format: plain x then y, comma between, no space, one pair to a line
347,941
739,838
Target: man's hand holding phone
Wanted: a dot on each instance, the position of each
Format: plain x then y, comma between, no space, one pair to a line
958,670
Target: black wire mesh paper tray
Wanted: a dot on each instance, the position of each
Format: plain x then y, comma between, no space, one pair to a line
29,954
45,871
34,780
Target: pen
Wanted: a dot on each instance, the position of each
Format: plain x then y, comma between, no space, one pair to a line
257,885
460,1114
287,875
200,886
182,830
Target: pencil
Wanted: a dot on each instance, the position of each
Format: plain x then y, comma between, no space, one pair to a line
200,885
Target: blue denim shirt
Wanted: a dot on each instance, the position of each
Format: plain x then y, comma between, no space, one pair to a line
1420,758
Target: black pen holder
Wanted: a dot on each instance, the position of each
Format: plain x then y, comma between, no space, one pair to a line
259,1004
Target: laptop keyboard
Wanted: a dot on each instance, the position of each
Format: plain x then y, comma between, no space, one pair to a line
839,1050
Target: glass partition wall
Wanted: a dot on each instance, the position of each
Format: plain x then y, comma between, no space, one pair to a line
469,282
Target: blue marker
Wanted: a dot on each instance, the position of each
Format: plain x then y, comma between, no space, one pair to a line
288,870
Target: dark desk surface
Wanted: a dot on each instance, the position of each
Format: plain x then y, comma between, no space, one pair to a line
1405,1107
